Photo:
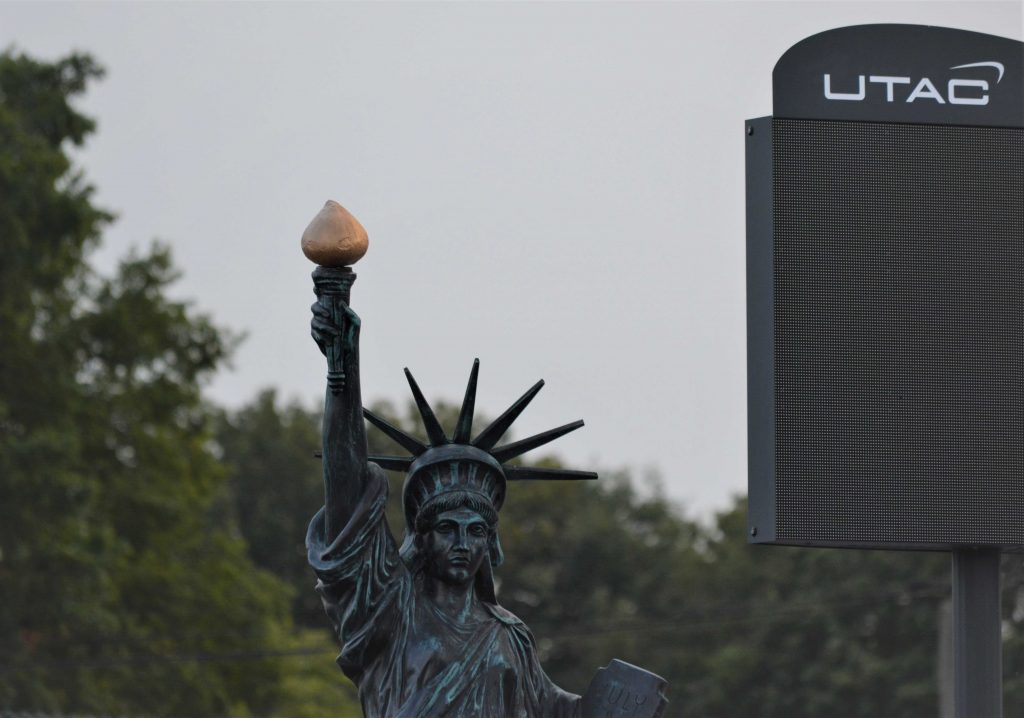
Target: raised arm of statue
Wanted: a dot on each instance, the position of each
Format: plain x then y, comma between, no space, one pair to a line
335,328
334,240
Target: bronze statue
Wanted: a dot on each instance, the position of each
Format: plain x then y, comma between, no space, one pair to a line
422,634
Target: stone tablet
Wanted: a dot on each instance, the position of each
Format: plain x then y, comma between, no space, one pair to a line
622,689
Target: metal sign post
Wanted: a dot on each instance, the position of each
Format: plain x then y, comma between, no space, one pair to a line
977,634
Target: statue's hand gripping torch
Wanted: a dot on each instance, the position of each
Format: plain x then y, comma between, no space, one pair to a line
334,240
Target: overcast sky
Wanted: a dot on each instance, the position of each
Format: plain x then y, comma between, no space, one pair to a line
554,188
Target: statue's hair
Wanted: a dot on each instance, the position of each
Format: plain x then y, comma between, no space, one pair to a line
452,500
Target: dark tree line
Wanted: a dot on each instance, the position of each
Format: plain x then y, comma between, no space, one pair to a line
125,587
151,558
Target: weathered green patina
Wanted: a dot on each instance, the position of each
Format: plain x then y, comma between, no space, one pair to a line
421,631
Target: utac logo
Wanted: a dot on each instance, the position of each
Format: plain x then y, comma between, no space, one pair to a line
959,90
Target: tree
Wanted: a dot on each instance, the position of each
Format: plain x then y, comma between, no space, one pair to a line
125,589
808,632
275,484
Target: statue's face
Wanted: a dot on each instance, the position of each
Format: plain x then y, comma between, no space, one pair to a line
457,545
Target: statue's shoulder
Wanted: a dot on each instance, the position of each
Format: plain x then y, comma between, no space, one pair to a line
503,615
379,479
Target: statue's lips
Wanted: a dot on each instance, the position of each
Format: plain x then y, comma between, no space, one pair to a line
460,561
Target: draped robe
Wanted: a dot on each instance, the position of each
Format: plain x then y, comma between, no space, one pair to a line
407,658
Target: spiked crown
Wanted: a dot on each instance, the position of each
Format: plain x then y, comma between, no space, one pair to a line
446,465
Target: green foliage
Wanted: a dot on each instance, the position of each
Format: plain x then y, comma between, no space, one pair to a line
275,485
313,683
821,631
125,588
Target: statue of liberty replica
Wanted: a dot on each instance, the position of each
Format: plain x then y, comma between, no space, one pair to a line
422,633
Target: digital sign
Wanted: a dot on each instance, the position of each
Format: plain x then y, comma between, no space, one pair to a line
885,292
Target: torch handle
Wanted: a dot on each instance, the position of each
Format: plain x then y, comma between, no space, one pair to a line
333,286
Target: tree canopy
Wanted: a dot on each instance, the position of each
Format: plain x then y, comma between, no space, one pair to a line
124,582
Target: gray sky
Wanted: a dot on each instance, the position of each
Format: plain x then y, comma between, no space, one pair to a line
554,188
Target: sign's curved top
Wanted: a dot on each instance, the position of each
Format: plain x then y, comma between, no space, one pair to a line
902,73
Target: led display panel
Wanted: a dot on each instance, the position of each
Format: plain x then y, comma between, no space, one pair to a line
886,324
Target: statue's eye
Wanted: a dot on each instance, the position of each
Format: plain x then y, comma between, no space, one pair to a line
444,527
478,530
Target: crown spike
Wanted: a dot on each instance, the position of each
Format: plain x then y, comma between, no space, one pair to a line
391,463
530,473
407,442
465,424
434,431
493,433
518,448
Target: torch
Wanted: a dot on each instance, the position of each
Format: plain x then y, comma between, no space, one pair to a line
334,240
